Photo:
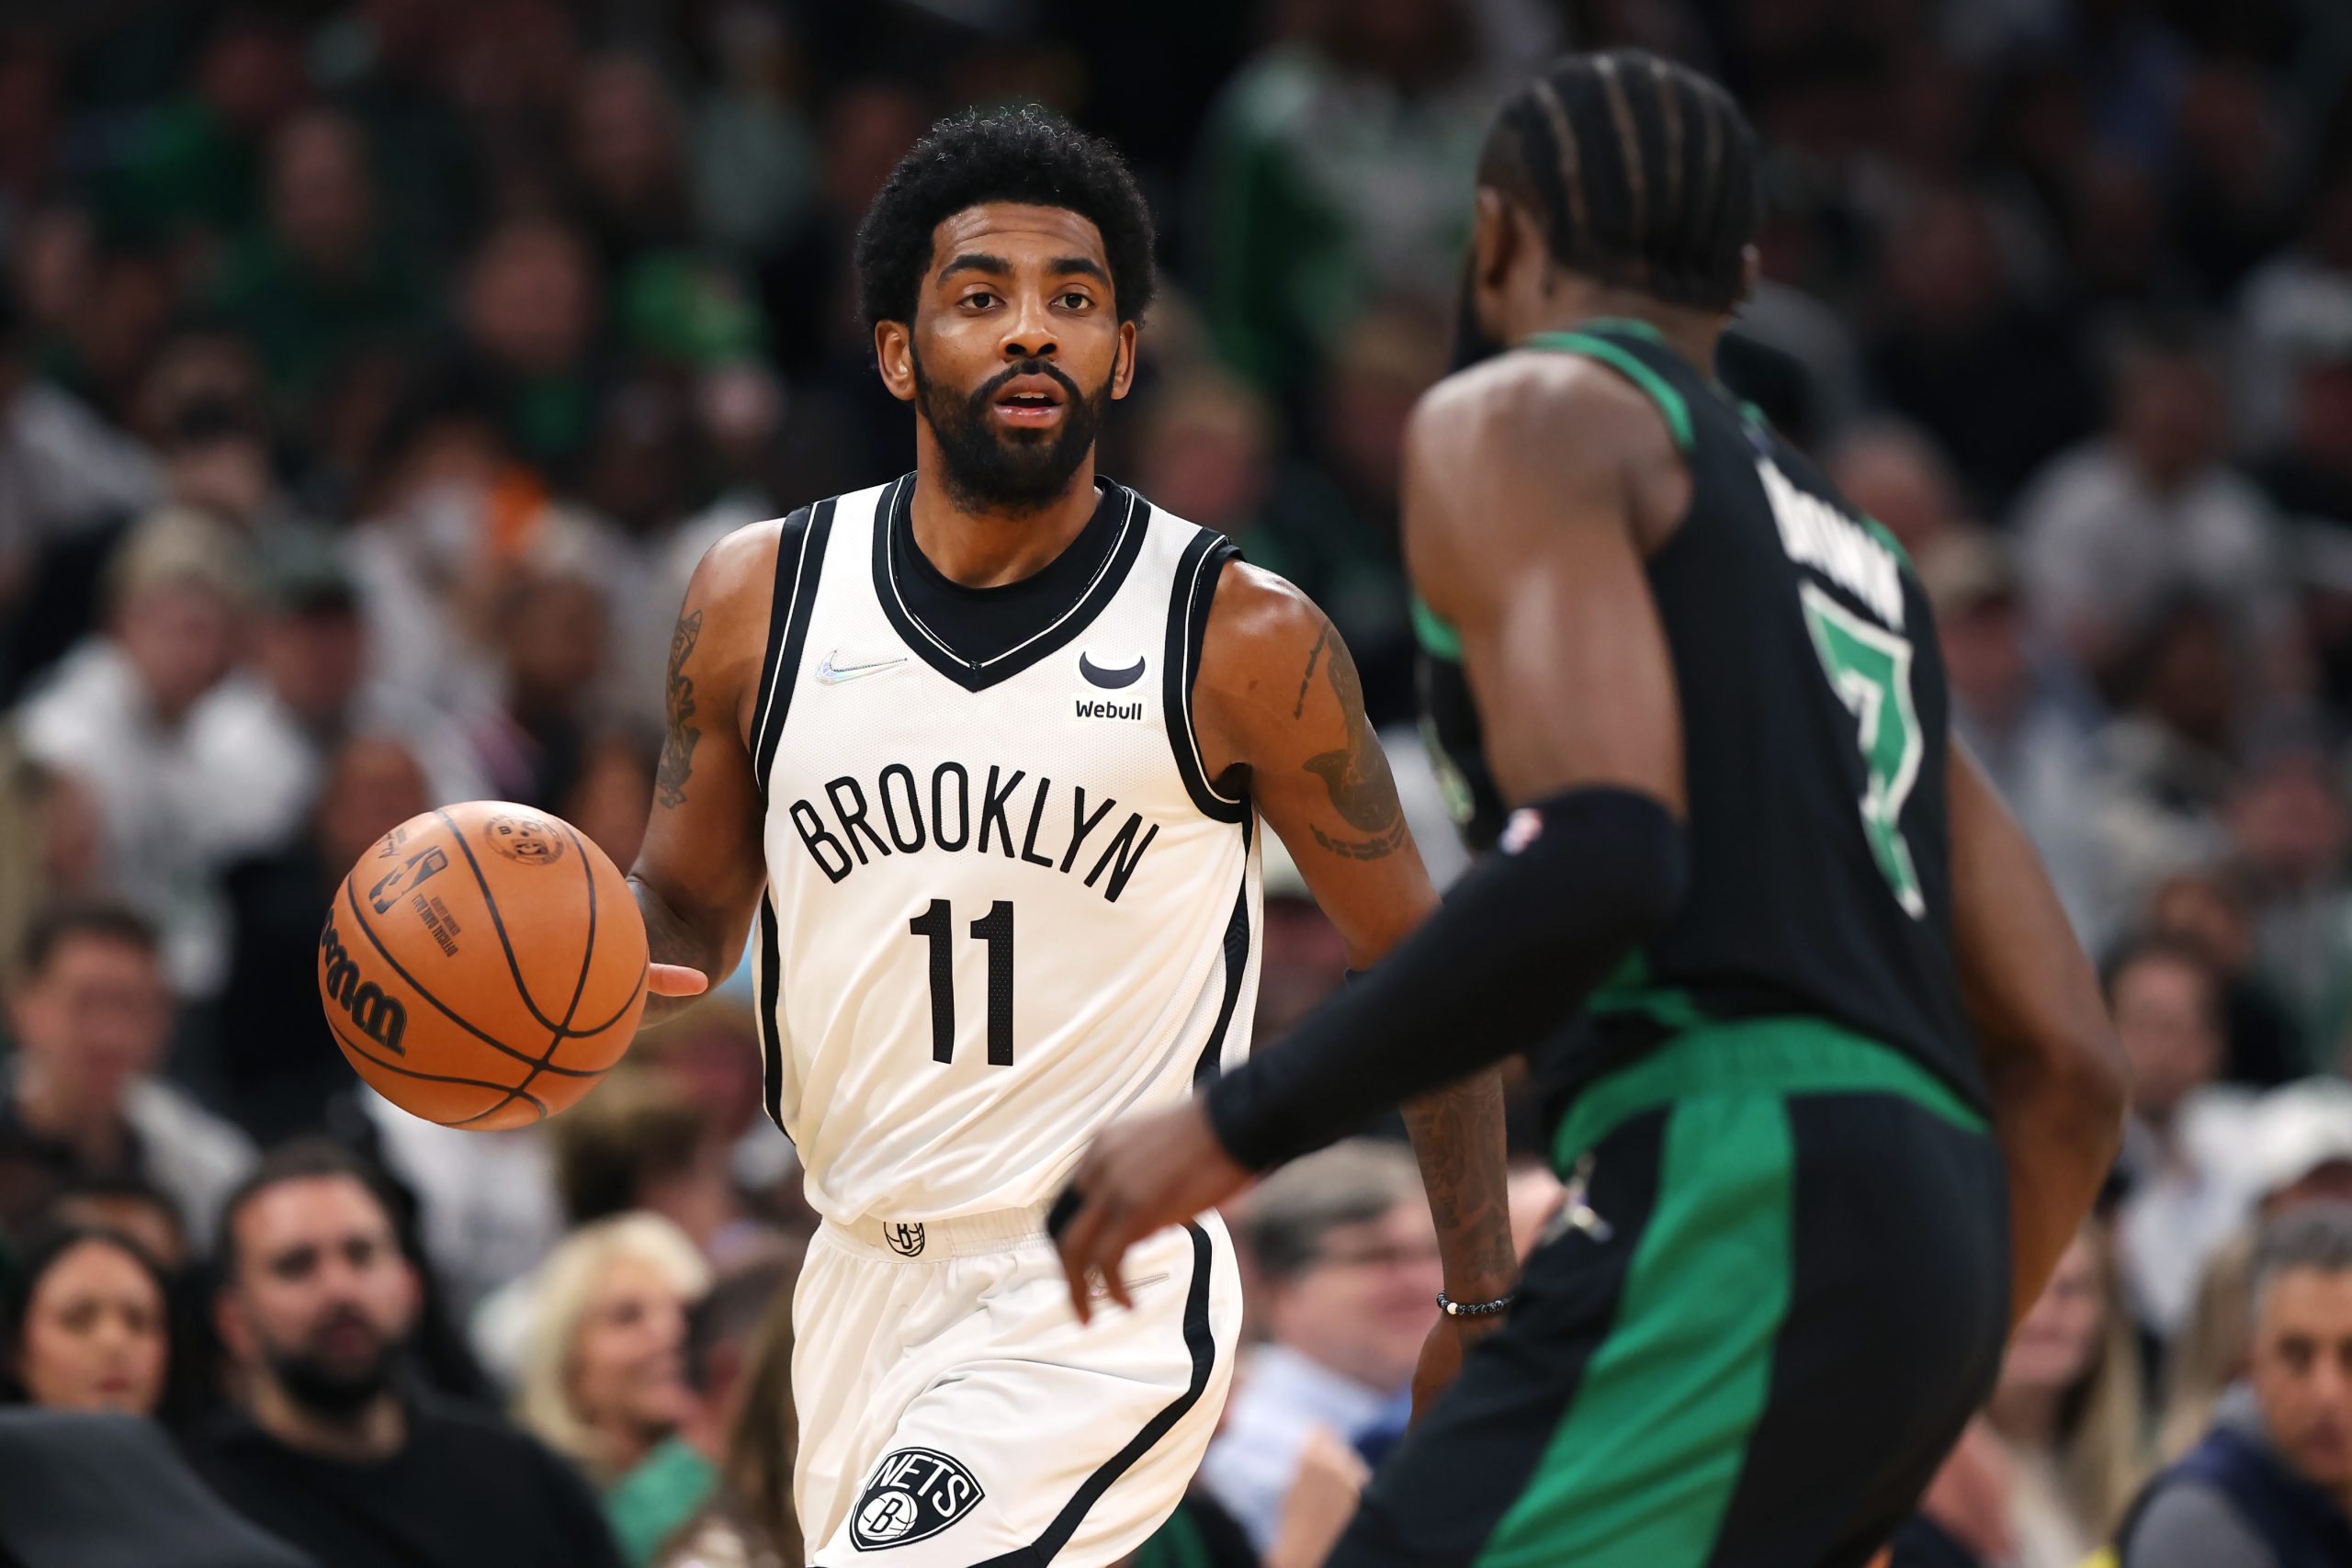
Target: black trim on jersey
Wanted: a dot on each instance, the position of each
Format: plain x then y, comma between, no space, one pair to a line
1237,966
978,675
1188,624
800,560
770,1040
1202,1343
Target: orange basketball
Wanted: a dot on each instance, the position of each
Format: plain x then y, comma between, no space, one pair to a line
483,965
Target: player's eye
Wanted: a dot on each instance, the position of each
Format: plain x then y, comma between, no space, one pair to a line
980,298
1075,301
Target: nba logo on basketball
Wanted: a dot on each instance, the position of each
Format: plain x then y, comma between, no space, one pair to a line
915,1492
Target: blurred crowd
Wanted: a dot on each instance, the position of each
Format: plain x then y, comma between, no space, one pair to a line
372,372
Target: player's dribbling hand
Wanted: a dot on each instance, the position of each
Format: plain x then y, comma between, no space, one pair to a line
1139,1176
675,980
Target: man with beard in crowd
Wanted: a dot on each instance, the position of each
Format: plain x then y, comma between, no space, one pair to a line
326,1448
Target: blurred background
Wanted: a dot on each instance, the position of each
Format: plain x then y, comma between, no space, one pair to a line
372,373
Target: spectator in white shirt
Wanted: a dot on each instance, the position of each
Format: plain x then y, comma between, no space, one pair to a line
2130,519
2185,1200
79,1101
119,715
1347,1264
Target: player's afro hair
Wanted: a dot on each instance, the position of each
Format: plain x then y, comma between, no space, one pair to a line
1026,155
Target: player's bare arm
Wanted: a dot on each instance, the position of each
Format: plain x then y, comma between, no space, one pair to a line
2050,1055
1534,548
1278,699
698,876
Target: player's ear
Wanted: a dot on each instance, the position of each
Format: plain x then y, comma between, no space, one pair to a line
1123,368
1492,237
894,351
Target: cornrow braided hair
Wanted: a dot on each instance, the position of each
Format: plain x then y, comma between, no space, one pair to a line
1643,172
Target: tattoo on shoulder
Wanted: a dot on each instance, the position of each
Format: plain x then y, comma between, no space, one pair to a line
678,740
1355,776
1321,637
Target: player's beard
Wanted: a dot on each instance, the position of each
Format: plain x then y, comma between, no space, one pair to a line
989,468
334,1389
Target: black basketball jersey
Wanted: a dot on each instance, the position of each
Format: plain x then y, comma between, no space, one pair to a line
1815,718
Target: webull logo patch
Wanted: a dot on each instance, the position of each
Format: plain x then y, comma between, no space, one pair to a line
1098,707
379,1016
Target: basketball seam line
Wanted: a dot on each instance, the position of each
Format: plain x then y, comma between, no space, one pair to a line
429,1078
578,989
476,1030
490,902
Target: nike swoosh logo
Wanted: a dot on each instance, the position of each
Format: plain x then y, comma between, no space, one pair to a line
1112,679
831,674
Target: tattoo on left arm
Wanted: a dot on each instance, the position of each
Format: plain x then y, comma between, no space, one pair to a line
678,740
1322,637
1458,1137
1356,775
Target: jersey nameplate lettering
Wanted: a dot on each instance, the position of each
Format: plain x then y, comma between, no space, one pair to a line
1817,534
1010,814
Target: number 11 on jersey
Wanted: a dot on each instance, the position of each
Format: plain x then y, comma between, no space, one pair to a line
937,923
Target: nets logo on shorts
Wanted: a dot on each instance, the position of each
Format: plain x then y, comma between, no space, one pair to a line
915,1493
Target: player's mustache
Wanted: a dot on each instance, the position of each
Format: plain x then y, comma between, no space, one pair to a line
1010,373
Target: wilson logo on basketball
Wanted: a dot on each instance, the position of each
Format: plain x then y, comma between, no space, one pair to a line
379,1016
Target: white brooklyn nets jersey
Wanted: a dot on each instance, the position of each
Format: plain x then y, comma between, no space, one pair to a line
1004,905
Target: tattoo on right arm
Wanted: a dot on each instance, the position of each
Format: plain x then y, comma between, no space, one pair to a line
678,741
1457,1135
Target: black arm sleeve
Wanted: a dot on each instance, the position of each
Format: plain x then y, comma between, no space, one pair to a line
1581,880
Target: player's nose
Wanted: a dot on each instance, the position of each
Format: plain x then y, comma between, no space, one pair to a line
1029,331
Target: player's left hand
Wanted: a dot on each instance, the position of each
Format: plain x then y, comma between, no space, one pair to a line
1139,1176
1450,1339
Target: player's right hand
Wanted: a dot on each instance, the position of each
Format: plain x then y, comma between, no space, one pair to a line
675,980
1137,1176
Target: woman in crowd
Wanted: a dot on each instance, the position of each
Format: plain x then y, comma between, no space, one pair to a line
88,1324
2041,1477
2070,1411
2211,1353
749,1521
604,1377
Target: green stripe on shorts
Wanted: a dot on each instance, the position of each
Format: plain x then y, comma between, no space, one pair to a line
1763,1056
1641,1470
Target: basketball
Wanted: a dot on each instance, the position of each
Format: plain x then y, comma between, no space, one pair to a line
483,965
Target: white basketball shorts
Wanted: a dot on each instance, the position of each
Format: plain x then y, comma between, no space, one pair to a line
954,1412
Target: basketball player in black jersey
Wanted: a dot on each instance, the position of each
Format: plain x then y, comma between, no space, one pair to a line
1838,1087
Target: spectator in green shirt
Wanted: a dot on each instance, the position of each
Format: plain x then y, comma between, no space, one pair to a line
321,277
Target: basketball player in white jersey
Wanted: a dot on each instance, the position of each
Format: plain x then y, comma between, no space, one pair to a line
975,760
